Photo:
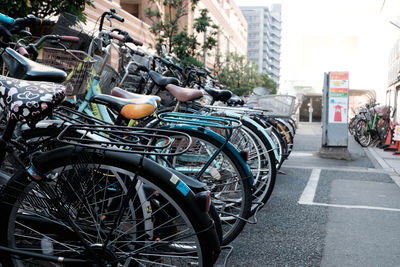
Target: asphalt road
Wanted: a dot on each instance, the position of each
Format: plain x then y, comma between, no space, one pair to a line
351,218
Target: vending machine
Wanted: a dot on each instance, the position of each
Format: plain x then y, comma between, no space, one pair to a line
335,113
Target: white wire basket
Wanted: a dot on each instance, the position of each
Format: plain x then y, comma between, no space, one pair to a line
278,105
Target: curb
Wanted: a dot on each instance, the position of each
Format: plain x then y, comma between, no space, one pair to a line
376,159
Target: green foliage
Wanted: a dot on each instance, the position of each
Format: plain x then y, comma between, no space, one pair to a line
240,75
166,16
44,8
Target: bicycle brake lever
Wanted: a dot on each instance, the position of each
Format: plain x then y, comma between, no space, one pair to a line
109,20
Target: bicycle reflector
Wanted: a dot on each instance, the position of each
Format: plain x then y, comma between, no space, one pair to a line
245,154
203,199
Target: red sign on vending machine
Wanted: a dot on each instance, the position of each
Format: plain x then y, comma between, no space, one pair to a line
338,97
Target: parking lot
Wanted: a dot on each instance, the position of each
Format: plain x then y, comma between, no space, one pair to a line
325,212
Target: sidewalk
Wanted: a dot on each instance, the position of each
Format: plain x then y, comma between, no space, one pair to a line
385,160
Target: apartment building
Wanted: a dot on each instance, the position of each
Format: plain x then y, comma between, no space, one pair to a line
264,38
393,89
224,13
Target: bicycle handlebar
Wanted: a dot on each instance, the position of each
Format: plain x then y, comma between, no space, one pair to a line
117,36
134,41
29,21
11,25
6,20
111,14
69,39
120,19
128,38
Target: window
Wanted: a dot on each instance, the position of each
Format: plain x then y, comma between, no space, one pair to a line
133,9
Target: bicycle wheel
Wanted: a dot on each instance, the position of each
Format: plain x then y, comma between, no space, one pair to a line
363,134
264,181
80,213
352,125
225,178
261,160
382,129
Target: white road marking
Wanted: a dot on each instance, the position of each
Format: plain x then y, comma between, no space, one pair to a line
307,197
301,154
337,168
311,187
350,206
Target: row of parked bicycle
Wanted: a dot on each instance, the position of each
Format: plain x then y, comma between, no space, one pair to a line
371,124
162,171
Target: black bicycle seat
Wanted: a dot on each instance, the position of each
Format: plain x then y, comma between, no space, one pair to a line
235,101
161,80
218,95
23,68
29,100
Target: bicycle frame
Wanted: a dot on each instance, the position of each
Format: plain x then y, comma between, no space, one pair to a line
376,118
99,111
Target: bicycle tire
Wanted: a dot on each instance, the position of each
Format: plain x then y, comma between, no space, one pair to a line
52,130
363,134
269,173
15,202
231,225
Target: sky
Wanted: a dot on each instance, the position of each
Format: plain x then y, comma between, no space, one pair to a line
336,35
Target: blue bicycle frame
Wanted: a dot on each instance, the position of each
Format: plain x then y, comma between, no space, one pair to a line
198,126
255,124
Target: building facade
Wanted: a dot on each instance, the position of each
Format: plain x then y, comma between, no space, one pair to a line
232,36
393,89
264,38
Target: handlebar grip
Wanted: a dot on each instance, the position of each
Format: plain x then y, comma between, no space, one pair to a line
22,51
139,53
70,39
117,36
6,20
118,18
137,42
133,41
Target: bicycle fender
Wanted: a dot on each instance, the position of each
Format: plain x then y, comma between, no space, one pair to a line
221,139
194,184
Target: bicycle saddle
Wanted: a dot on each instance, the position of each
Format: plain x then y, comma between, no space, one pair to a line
161,80
132,108
183,94
218,95
235,101
118,92
29,100
23,68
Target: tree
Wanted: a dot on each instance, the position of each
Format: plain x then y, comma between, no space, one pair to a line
165,26
240,75
44,8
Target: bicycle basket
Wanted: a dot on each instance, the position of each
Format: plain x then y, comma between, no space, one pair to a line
278,105
77,64
109,77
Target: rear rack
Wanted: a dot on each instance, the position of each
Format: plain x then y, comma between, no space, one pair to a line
83,130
